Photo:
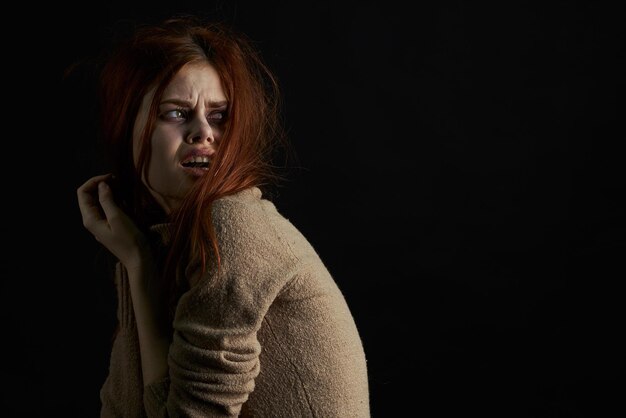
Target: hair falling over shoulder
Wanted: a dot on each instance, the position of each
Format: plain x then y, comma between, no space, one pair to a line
149,59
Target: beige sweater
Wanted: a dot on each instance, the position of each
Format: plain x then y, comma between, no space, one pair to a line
275,338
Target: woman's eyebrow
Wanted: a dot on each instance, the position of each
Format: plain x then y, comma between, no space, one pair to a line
185,103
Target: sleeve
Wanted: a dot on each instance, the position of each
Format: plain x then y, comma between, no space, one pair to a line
212,364
120,394
214,356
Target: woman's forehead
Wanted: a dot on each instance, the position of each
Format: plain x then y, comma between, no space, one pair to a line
194,82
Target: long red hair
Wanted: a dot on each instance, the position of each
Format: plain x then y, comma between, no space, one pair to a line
150,59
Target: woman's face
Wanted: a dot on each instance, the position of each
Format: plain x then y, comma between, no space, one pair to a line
190,123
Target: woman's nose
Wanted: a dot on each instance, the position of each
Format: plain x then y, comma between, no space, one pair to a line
200,131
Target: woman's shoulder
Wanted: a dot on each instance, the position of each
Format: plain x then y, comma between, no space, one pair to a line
247,206
248,194
247,218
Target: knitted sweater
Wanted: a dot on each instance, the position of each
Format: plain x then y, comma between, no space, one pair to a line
272,336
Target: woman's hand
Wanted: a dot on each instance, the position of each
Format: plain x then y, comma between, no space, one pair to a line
109,224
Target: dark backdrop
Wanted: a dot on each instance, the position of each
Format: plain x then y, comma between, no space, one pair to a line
459,172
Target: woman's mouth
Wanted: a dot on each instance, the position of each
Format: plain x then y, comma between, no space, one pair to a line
197,161
196,166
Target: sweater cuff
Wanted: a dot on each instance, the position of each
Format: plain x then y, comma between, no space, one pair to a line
155,397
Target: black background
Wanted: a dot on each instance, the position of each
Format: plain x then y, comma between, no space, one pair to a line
460,173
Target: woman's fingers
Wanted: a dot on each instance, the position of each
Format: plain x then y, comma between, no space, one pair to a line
108,223
88,202
105,197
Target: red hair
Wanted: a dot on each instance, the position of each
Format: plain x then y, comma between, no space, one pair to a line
150,59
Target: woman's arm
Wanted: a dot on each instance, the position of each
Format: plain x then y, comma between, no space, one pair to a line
151,326
116,231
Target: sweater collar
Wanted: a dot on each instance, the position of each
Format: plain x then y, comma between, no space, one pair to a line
163,231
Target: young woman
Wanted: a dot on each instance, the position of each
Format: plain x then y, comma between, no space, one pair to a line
224,307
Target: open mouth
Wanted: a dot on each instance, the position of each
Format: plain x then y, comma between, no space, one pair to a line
196,162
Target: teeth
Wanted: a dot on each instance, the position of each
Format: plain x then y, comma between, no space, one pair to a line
197,159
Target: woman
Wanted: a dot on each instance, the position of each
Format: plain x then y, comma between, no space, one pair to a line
224,308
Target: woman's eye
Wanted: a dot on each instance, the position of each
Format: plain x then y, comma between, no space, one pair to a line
174,114
217,117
